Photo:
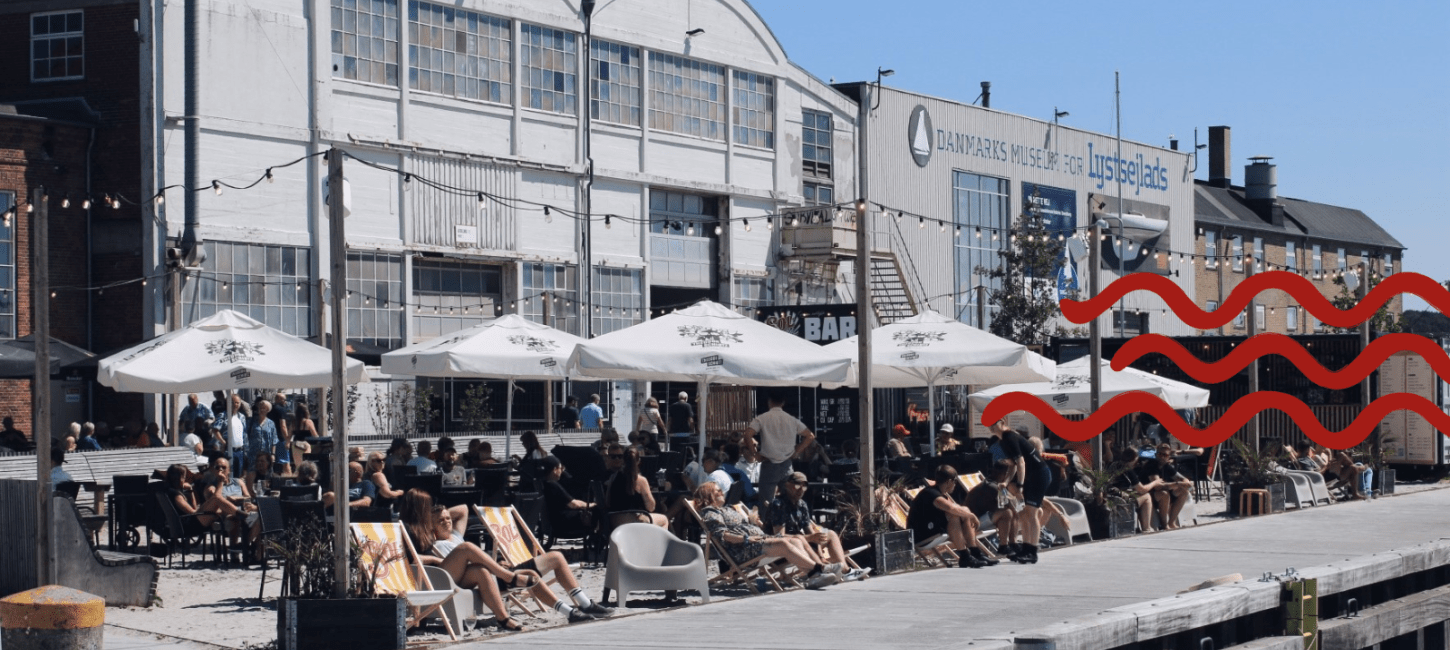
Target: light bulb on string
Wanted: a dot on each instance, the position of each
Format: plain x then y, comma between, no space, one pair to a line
921,222
769,224
795,221
65,201
116,202
216,187
942,226
481,201
979,232
160,199
29,208
958,232
746,222
691,230
86,204
607,225
270,179
717,230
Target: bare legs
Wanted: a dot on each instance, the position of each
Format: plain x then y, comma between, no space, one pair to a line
794,549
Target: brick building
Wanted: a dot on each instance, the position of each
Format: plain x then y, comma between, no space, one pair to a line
70,120
1237,222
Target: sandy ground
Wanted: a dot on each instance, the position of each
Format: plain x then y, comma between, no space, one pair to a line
214,606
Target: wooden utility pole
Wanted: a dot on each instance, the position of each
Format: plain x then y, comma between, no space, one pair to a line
338,253
866,411
1095,336
1253,318
548,385
40,383
324,416
1364,329
176,399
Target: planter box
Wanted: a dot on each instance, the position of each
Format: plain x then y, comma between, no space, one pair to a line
352,623
895,552
1105,524
1278,497
1384,481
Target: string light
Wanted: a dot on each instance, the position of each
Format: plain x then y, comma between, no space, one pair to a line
921,222
606,222
216,186
86,204
746,222
65,201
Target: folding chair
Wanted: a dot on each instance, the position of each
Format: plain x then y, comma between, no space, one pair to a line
929,550
737,572
513,544
387,556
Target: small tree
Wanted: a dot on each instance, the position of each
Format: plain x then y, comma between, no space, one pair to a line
1027,300
474,409
402,410
1383,320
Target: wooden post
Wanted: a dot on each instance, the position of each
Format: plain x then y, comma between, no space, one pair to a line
1095,336
866,413
338,253
324,416
1375,443
40,383
548,385
1249,268
176,325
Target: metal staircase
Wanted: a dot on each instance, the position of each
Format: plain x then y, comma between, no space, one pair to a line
889,293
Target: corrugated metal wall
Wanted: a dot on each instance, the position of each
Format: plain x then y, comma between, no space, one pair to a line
435,212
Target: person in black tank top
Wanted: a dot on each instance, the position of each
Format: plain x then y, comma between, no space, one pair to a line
630,491
1034,476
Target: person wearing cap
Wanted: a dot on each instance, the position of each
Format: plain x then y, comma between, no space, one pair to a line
58,474
569,414
791,515
682,420
896,447
782,438
946,439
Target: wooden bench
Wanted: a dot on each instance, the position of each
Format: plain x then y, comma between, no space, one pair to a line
94,469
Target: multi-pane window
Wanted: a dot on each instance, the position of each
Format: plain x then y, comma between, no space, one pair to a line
753,293
1259,321
818,193
615,82
754,110
1237,252
1241,321
7,269
57,46
269,283
981,207
1389,265
1291,316
1318,259
675,213
1291,257
686,96
375,299
450,296
459,53
550,72
1364,259
816,144
1343,261
365,40
1258,253
558,281
1210,249
619,297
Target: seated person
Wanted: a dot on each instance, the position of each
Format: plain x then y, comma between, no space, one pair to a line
899,445
262,475
485,455
58,474
1302,457
570,515
750,459
813,461
646,443
1140,487
424,462
707,469
628,489
360,493
438,533
933,512
1175,490
306,474
1342,471
400,452
219,474
453,474
731,454
210,506
790,515
376,473
745,541
606,436
992,498
946,439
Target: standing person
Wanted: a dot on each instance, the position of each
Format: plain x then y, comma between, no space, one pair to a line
12,437
261,435
682,421
194,411
1034,476
231,434
303,428
591,414
569,414
778,432
649,419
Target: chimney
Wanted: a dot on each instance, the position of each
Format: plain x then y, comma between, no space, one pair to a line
1219,158
1261,189
986,94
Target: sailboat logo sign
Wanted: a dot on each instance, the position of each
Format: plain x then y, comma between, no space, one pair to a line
919,136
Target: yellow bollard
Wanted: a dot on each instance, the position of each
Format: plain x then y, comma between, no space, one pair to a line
52,618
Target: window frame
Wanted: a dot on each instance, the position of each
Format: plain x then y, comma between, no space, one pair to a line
616,94
365,300
1318,258
9,303
680,81
1210,249
812,166
490,30
66,35
972,207
1236,251
619,288
1291,318
564,71
1343,259
248,286
752,109
389,38
1261,319
1389,265
1291,256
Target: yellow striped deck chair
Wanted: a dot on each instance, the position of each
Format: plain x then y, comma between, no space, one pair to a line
387,556
514,545
737,573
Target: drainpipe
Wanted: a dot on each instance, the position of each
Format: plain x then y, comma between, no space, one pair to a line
190,244
90,298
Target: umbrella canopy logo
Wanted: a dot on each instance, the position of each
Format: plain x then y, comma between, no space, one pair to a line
234,351
144,350
710,337
917,338
534,343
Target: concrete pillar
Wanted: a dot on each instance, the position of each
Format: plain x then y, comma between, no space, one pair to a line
52,618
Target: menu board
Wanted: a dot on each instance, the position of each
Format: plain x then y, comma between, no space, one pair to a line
1408,437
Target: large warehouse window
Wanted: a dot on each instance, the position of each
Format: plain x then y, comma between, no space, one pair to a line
365,40
754,110
686,96
451,296
550,73
817,157
981,208
559,281
459,53
375,299
618,299
269,283
616,82
57,46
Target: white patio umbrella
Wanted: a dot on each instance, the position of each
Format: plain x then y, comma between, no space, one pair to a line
509,347
708,343
932,350
1070,391
222,352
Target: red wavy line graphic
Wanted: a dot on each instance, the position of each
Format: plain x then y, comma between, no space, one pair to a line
1221,430
1269,343
1303,291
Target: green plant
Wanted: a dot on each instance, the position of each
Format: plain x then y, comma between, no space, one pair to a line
855,519
1027,300
474,410
1101,486
307,553
402,410
1253,469
1383,320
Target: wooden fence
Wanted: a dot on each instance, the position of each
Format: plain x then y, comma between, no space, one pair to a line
17,535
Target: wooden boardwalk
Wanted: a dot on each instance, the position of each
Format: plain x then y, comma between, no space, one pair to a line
976,609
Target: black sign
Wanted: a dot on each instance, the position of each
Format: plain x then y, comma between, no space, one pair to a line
821,324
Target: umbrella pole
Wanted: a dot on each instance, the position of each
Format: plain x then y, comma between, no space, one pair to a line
508,436
704,393
931,413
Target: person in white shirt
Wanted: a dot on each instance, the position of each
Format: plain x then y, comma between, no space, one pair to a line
233,432
58,474
750,460
782,437
424,464
707,469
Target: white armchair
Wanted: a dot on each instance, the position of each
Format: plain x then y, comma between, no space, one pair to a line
645,557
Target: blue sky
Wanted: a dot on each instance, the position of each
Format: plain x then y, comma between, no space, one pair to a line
1352,99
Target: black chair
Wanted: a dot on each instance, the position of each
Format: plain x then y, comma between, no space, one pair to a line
462,494
71,489
735,494
300,492
274,523
130,502
430,483
300,513
530,506
844,472
370,515
492,483
670,461
180,532
407,470
649,468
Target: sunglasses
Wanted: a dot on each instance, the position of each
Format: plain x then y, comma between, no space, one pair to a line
616,456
